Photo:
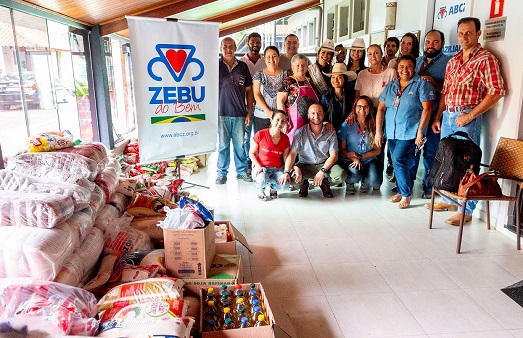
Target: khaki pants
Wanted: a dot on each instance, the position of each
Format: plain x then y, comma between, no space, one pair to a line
336,174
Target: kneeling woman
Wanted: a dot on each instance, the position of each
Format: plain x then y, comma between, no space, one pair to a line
268,153
357,148
406,104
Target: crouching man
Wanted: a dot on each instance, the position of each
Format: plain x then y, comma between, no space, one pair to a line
318,152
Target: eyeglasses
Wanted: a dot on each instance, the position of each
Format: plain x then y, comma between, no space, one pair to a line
361,107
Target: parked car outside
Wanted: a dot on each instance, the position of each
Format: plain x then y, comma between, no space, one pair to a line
11,94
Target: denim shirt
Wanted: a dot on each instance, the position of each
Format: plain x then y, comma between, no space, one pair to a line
401,122
357,140
436,69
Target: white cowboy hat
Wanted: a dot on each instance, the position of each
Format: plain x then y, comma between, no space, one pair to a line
341,68
358,44
328,45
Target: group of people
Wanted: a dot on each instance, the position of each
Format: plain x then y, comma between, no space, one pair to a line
329,121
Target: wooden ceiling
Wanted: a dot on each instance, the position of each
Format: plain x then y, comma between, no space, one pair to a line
234,15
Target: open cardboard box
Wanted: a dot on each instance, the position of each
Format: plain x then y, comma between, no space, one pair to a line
221,237
225,269
189,252
280,325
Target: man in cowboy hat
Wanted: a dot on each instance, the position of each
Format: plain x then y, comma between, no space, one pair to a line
322,65
337,101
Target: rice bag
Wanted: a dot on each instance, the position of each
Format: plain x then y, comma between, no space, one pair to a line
59,304
126,239
51,141
150,319
34,209
153,289
13,181
49,174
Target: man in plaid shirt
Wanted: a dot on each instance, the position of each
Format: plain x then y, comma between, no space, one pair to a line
472,85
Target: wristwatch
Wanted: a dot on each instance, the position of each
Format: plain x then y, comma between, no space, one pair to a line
360,156
323,170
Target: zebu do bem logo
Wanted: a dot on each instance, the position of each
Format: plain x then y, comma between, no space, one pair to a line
182,99
176,58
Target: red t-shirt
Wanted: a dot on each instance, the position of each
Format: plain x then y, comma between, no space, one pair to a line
270,154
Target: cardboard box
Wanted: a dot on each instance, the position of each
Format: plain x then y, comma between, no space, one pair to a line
280,325
225,269
202,160
221,238
189,252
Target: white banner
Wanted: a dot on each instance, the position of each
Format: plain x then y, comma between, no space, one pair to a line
175,68
446,16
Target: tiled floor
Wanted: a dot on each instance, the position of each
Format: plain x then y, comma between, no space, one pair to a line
357,266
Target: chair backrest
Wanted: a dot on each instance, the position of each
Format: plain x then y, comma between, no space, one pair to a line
508,158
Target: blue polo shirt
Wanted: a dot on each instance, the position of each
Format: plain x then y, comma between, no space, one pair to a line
232,84
401,122
357,140
435,69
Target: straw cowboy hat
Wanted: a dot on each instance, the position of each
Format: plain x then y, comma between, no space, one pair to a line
327,45
357,44
341,68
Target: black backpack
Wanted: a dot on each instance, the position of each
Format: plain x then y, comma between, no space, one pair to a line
453,158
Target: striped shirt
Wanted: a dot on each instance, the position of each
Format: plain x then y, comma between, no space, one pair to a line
468,82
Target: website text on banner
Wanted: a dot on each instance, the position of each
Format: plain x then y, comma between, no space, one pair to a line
176,86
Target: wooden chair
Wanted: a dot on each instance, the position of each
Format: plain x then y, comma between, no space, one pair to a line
508,162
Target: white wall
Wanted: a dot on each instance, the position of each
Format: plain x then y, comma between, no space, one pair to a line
504,119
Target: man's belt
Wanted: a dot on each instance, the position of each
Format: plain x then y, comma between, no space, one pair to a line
455,109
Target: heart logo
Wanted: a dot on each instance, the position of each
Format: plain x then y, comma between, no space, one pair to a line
176,59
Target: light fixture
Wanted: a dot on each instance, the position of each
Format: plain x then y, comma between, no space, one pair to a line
390,15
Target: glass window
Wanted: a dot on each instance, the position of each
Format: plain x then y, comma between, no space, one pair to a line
13,124
330,25
311,34
123,111
359,17
39,72
343,20
78,39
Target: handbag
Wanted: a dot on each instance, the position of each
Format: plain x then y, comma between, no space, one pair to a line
483,185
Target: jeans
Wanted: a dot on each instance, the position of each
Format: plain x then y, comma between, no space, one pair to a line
429,153
380,161
269,178
231,129
448,126
369,175
405,161
247,139
336,174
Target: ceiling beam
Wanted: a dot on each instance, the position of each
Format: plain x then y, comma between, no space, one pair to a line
245,11
245,25
160,12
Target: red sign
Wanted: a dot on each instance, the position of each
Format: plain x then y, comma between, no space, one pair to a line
496,8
